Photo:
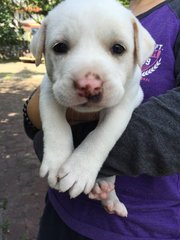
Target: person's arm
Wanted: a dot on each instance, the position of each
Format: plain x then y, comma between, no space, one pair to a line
150,144
31,116
33,109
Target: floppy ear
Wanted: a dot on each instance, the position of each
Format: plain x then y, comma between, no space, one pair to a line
144,43
37,45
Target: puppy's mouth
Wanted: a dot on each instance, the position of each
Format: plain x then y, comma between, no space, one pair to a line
89,102
94,98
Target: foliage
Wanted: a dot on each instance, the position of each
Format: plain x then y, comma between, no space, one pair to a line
44,6
125,2
10,31
47,5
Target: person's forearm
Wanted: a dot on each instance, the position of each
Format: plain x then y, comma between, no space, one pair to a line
150,144
73,117
33,109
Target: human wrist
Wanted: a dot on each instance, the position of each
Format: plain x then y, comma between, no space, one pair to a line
33,112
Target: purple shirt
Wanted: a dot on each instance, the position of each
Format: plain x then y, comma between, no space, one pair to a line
153,203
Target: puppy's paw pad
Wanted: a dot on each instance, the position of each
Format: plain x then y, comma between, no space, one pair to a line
106,186
115,207
101,190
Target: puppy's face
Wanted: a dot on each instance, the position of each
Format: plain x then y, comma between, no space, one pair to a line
92,51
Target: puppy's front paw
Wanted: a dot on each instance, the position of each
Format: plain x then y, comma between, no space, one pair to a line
50,168
76,176
51,164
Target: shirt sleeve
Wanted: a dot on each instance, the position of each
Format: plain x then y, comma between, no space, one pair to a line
150,144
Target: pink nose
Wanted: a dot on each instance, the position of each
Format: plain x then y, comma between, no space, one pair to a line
89,86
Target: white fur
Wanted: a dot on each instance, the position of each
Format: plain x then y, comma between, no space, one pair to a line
91,27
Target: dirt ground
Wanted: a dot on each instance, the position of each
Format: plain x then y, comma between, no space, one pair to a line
21,190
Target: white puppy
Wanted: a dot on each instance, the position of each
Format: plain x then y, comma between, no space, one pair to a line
94,50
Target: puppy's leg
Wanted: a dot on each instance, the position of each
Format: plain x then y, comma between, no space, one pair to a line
58,144
80,171
104,191
114,206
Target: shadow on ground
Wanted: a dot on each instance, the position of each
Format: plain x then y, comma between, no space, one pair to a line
25,73
21,190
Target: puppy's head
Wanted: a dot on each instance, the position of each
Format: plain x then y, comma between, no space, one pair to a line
93,50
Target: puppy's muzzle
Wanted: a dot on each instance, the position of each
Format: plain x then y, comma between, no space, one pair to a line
90,86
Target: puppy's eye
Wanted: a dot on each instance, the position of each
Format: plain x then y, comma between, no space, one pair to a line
118,49
61,48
